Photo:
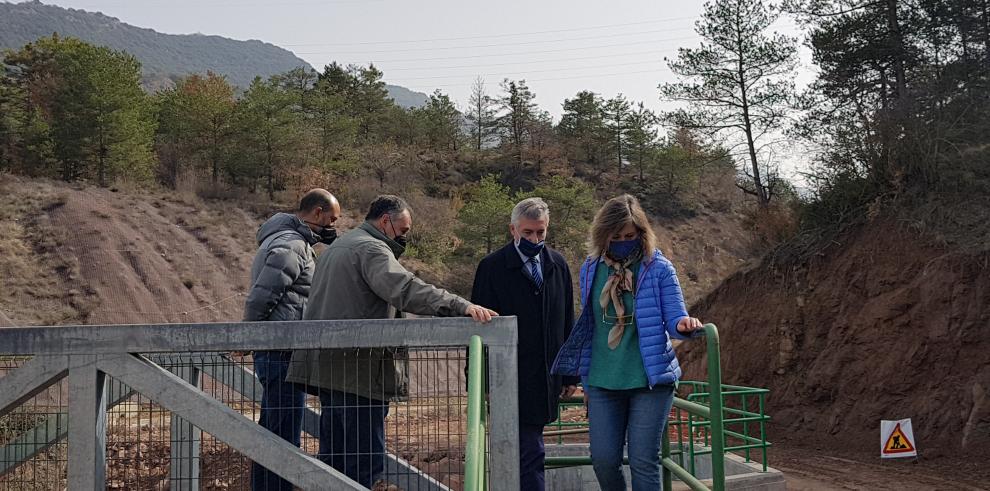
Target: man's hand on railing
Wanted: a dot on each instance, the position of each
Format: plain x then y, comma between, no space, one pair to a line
567,391
480,314
688,325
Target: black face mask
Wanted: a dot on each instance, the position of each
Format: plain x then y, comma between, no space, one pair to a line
402,240
326,234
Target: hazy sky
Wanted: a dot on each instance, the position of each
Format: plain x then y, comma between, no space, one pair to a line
559,47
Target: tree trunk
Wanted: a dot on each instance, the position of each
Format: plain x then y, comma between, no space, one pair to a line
897,46
986,29
271,170
101,163
215,158
761,192
641,152
618,143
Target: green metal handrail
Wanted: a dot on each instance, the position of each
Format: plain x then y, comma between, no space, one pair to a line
475,455
712,412
738,418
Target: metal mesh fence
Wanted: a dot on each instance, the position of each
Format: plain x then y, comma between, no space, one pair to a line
29,458
147,447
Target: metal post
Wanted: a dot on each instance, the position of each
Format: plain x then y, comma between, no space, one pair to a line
715,391
504,415
668,483
87,424
185,441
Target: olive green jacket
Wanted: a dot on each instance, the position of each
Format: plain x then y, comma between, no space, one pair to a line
359,277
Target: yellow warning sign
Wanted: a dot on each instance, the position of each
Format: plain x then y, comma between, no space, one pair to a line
897,439
898,442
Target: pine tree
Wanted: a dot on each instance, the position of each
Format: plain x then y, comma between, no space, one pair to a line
738,83
641,136
518,111
481,116
443,122
198,114
485,215
616,112
583,123
269,131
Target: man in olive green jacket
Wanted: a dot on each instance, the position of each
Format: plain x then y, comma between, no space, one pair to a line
359,277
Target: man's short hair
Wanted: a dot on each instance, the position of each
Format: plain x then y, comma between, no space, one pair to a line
316,198
387,204
531,209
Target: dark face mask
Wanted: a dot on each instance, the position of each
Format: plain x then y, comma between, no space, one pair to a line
622,249
402,240
528,248
326,234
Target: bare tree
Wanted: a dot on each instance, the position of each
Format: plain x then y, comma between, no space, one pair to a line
382,159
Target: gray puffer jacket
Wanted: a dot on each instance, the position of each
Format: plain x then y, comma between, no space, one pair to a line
282,272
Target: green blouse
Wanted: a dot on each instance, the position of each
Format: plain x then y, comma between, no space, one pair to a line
620,368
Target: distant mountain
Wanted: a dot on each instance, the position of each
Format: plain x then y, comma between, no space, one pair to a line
405,97
164,57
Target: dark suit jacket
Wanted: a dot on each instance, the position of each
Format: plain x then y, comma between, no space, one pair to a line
545,317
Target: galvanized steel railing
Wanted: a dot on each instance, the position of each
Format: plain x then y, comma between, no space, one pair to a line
88,356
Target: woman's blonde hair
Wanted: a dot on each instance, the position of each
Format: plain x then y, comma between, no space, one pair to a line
612,217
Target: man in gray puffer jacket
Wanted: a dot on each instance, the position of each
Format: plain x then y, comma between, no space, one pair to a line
281,276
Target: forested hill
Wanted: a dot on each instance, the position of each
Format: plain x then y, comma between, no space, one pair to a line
164,57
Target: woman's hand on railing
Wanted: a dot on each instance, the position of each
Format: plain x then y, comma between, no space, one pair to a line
688,325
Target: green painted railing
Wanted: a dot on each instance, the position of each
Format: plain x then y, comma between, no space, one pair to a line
475,455
706,409
713,413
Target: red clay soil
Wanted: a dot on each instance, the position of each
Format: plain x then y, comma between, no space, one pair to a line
881,324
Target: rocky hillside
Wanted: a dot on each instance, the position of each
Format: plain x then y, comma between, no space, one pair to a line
883,322
163,57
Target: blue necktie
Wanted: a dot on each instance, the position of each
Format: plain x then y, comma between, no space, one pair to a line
534,270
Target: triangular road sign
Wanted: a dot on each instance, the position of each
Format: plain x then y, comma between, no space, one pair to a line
898,442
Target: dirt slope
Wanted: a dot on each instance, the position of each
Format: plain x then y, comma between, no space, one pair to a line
89,255
86,255
881,324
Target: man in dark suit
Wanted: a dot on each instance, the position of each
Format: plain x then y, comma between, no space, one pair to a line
529,280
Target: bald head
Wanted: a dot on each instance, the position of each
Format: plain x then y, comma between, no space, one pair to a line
317,198
319,209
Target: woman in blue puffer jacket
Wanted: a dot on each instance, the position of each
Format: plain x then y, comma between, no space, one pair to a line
620,346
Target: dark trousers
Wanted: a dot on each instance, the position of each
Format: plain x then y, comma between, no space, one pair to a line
352,435
531,457
282,406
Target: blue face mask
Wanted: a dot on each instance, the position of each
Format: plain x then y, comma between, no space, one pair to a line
528,248
621,249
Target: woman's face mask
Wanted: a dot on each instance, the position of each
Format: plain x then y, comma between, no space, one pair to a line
622,249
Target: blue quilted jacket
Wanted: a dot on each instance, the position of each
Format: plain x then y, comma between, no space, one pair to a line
659,307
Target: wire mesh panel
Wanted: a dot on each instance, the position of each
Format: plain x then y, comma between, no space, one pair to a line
32,457
428,428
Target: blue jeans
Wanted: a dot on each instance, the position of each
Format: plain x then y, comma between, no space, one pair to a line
638,416
352,435
282,406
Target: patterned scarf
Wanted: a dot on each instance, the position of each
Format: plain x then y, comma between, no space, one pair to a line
619,282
